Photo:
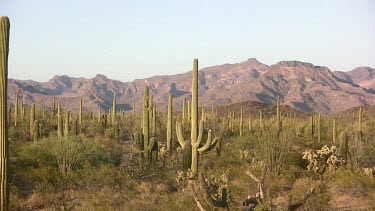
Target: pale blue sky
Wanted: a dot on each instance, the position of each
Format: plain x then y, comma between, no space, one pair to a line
126,40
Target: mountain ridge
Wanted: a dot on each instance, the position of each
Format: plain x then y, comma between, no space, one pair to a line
299,84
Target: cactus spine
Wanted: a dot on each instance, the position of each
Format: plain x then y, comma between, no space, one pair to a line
4,144
194,144
169,124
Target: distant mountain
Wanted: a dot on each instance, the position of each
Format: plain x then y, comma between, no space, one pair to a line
363,76
299,84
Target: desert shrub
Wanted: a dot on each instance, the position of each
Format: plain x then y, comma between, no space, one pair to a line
353,181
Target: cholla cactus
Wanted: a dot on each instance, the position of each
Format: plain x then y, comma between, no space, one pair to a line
320,160
244,154
218,186
369,171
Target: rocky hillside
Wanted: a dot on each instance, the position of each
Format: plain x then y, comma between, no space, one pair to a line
300,85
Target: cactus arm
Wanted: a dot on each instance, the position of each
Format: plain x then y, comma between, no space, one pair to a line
200,134
208,142
180,136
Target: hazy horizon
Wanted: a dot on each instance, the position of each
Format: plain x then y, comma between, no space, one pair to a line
127,40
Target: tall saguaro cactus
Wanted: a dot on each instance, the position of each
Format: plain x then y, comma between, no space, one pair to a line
334,132
114,109
16,110
194,145
360,115
4,145
147,144
80,111
169,124
278,113
319,128
241,123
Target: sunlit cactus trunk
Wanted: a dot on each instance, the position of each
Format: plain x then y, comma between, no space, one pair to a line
183,109
36,130
344,145
169,124
80,111
241,123
360,115
113,121
66,124
191,148
154,120
319,128
133,111
4,145
32,119
278,114
194,116
16,110
99,115
145,121
59,122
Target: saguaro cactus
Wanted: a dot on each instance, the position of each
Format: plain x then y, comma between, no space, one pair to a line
144,142
133,111
360,115
261,125
319,128
59,122
250,125
80,111
36,130
241,123
278,114
4,145
66,124
183,109
32,119
114,109
169,124
312,123
196,137
16,110
344,145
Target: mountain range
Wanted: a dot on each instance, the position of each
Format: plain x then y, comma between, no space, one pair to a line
300,85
